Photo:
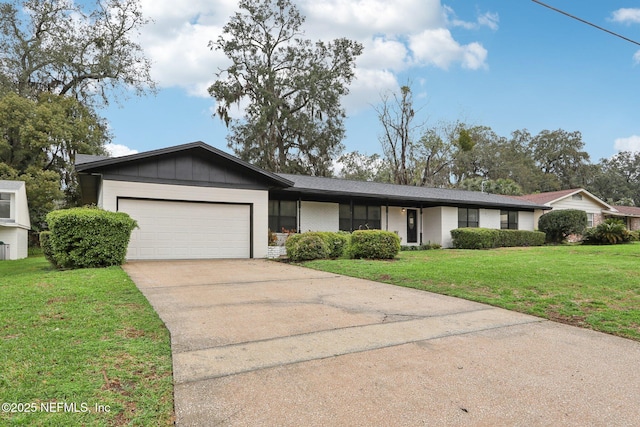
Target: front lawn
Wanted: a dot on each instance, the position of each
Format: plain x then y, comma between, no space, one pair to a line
596,287
80,348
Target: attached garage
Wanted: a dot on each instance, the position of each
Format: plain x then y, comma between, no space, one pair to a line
190,201
188,230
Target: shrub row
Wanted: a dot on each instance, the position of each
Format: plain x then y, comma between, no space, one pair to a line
86,237
485,238
374,244
423,247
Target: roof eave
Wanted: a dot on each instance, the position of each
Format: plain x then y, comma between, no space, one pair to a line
87,167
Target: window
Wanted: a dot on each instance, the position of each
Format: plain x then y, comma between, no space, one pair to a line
283,214
5,205
589,220
577,197
509,220
468,217
345,217
364,217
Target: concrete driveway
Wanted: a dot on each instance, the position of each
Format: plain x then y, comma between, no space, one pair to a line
260,343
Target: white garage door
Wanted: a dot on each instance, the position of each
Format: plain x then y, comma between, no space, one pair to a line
187,230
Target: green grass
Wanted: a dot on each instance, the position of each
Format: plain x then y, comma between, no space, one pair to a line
596,287
83,337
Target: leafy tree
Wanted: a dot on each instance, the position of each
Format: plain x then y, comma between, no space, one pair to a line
293,121
54,46
558,154
362,167
43,191
38,144
498,186
434,154
618,178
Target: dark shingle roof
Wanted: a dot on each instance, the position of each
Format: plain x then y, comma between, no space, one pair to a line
89,158
398,193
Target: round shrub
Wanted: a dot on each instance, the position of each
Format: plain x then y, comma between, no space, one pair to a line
336,242
306,246
89,237
374,244
558,225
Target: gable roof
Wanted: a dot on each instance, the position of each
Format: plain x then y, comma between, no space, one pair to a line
88,163
319,186
551,197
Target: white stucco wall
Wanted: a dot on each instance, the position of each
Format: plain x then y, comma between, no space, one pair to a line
526,221
438,223
432,225
259,198
397,222
489,218
319,216
17,239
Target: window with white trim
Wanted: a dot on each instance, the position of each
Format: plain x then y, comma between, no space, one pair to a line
5,205
589,219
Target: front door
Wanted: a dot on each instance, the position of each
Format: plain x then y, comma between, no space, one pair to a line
412,226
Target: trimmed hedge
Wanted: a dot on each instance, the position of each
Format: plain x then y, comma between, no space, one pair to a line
88,237
337,243
558,225
374,244
485,238
422,247
45,244
305,246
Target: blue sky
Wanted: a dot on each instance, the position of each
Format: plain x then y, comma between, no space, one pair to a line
508,65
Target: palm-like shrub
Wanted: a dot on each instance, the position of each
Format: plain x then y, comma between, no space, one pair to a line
609,232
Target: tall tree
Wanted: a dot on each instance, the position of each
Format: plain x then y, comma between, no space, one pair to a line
54,46
560,157
618,178
39,141
361,167
397,117
293,121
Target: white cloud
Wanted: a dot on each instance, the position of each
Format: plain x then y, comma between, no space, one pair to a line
119,150
636,57
437,47
631,143
626,16
487,19
397,35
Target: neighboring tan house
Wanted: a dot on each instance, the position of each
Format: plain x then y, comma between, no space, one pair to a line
14,220
576,198
195,201
630,215
597,210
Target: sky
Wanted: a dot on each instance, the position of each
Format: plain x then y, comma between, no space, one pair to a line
509,65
